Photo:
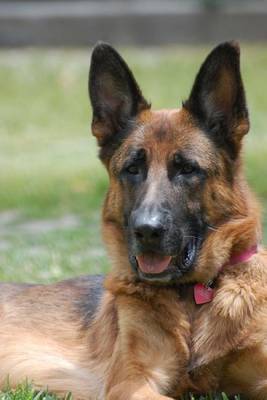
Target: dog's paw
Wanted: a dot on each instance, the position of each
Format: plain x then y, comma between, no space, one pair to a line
235,302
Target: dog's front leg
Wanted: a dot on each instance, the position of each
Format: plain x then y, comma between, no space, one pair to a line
133,375
150,352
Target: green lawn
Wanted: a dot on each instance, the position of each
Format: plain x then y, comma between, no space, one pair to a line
26,392
52,184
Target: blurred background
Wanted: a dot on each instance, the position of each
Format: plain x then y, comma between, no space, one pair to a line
51,182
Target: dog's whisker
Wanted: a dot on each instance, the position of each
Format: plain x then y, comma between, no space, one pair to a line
212,228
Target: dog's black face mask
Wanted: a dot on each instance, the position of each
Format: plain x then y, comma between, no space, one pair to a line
163,165
162,209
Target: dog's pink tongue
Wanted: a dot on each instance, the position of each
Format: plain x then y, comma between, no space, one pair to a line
153,263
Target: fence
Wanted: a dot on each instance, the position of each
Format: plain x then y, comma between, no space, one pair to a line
126,22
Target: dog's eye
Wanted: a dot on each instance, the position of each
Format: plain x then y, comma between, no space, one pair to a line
132,169
187,169
184,167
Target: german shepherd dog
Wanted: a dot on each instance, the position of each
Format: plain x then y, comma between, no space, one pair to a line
181,228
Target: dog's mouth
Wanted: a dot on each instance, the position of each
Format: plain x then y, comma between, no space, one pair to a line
160,268
152,263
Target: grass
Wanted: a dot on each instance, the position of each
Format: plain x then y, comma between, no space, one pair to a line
52,184
26,392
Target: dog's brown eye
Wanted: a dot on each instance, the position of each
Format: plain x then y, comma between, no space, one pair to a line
183,166
132,169
187,169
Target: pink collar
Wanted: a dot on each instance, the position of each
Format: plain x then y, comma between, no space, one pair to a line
205,293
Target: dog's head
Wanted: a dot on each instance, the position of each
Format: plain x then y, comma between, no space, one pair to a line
173,173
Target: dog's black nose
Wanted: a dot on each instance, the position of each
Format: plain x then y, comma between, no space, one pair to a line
148,227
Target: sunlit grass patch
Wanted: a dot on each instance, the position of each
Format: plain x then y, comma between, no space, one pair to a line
25,391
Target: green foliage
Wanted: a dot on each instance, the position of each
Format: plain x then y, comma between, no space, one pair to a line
222,396
26,392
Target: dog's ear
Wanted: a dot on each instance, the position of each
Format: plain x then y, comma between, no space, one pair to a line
115,96
217,99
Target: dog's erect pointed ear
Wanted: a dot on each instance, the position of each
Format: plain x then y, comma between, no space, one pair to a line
115,96
218,99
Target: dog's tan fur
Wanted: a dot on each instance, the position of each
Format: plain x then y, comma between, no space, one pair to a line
148,342
138,343
229,335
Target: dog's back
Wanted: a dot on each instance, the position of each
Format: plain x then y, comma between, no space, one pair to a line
44,334
79,296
